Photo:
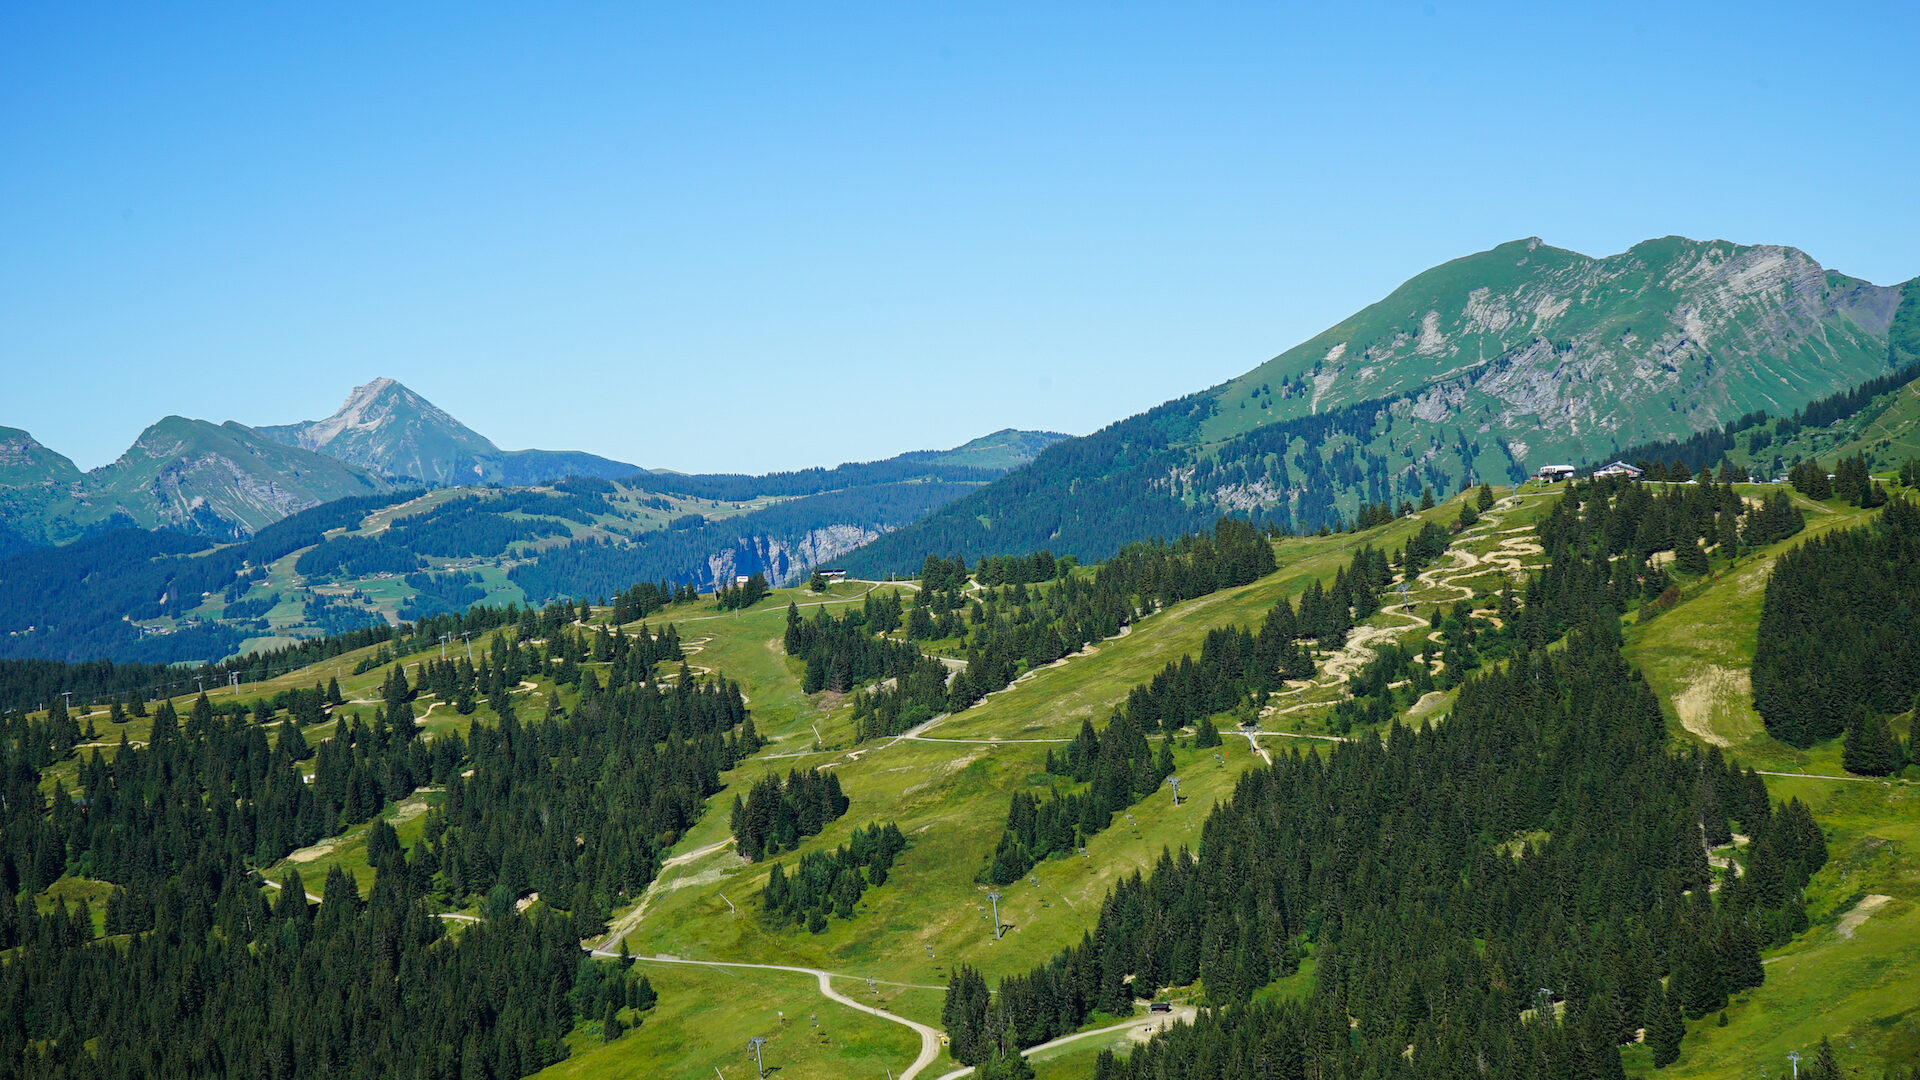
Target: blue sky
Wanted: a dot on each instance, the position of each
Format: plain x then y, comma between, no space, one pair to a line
751,237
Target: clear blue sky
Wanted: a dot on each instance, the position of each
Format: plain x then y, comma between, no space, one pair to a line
749,237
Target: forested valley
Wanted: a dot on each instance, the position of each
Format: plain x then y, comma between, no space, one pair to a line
206,973
1546,818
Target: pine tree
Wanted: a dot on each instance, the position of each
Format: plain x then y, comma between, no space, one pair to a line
1665,1027
1825,1066
1690,558
1484,501
1870,748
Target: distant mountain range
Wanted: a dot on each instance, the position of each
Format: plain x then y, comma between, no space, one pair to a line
393,432
227,481
223,480
1477,370
206,539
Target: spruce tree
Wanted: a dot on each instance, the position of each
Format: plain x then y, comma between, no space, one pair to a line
1825,1066
1665,1027
1870,748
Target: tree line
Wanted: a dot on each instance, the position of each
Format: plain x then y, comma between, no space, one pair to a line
1545,818
207,976
775,815
1386,862
831,882
1839,640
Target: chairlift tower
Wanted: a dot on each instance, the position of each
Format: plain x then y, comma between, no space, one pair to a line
994,898
1174,783
755,1043
1795,1058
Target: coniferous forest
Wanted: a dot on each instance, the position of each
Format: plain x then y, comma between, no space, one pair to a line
1369,856
1839,642
210,975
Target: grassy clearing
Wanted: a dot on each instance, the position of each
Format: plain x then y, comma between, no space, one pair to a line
706,1016
348,850
1858,984
1699,656
1053,701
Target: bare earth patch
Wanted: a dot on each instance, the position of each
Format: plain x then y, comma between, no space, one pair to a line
1861,912
318,851
1710,691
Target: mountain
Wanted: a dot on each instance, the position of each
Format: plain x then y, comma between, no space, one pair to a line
1004,449
30,476
390,430
128,594
222,480
24,463
1480,369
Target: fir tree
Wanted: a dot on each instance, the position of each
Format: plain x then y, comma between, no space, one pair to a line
1870,748
1665,1027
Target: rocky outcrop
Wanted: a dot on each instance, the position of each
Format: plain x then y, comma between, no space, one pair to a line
786,561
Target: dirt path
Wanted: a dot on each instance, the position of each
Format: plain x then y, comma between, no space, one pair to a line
1509,554
929,1037
1136,1030
276,886
630,922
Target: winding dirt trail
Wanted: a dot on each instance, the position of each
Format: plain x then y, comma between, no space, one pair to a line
1509,555
1137,1031
929,1037
630,922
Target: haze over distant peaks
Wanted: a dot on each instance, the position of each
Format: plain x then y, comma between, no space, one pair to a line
387,428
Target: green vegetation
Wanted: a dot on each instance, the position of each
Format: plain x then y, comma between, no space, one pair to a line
1419,391
908,920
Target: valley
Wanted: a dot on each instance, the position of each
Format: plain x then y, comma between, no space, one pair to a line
520,726
723,974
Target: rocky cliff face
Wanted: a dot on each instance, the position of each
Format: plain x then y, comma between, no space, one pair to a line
1567,355
1480,369
786,562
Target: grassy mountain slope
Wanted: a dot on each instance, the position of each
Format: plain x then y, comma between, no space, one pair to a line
30,477
220,479
1852,979
1004,449
1482,368
1885,431
1857,980
1668,336
24,463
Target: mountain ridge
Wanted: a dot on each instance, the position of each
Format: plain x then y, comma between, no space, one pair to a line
1479,369
386,427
